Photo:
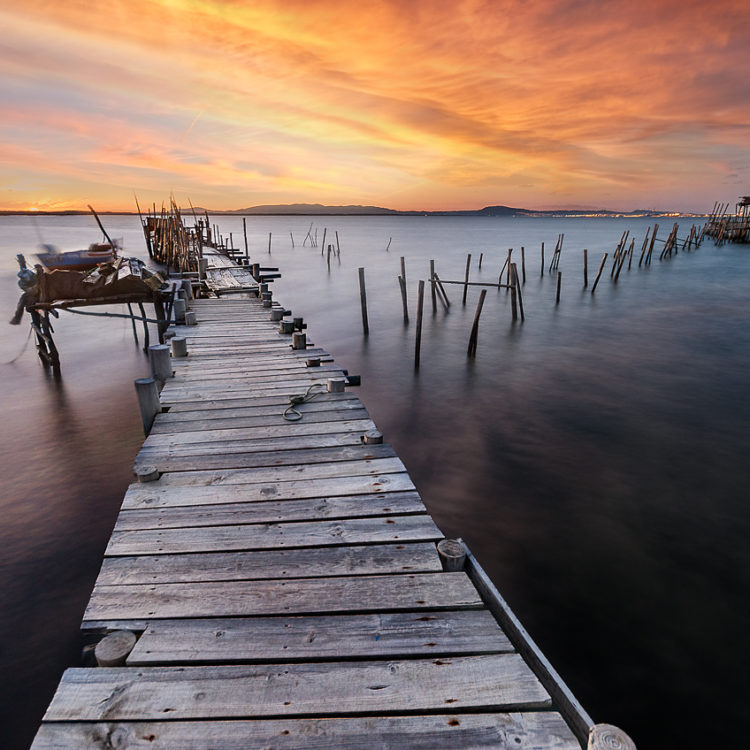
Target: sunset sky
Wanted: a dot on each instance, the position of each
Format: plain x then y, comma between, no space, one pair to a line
407,104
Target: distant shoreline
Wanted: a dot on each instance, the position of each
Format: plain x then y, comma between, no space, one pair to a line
315,210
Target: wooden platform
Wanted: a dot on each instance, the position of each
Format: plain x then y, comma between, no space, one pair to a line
283,581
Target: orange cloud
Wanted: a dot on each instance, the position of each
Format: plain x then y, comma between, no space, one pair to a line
446,104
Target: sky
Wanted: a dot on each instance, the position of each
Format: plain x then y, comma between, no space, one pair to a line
406,104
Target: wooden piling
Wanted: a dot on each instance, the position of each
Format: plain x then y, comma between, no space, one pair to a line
452,555
481,255
466,280
441,293
363,301
403,269
516,282
559,284
148,401
178,345
542,274
523,264
601,268
472,350
323,244
418,340
432,287
585,268
338,246
402,285
269,243
513,302
161,366
244,233
292,238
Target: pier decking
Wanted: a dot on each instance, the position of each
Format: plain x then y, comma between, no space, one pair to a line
283,580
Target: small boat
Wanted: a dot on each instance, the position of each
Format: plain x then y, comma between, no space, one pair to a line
78,260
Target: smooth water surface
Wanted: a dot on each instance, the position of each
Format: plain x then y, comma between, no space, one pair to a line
593,457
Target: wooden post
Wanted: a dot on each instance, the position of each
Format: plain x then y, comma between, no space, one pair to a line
420,306
472,350
507,276
441,293
585,268
372,437
269,243
146,473
323,244
328,257
559,282
336,385
363,301
338,247
402,284
513,302
244,233
542,259
299,340
481,255
608,737
161,367
113,649
452,554
178,345
466,281
432,287
292,236
148,401
523,263
403,269
180,308
601,268
276,315
517,284
190,318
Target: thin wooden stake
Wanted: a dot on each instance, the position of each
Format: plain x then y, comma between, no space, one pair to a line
472,350
402,285
585,268
432,287
513,302
292,236
403,269
559,283
363,301
338,247
517,284
269,243
418,341
542,259
441,292
323,244
466,282
523,263
601,268
481,255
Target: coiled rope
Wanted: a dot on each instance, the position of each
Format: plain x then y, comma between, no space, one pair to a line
291,413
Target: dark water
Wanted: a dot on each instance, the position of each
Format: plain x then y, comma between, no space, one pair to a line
593,458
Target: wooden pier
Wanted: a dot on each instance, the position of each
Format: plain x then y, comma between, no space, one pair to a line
278,584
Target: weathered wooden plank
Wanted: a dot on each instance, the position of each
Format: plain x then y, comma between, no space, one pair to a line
342,440
259,417
231,391
365,467
249,401
497,682
381,636
182,389
146,496
270,512
307,562
534,730
283,597
273,536
234,457
279,429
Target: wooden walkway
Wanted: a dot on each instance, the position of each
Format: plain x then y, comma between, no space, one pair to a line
283,580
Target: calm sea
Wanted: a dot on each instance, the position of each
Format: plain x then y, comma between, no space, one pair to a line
594,457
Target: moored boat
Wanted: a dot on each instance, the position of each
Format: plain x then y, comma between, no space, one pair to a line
77,260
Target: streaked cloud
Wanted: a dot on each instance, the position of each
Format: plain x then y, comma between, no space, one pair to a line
412,105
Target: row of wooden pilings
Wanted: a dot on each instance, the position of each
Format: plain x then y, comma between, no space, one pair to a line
514,280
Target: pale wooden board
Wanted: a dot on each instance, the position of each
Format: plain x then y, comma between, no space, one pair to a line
147,496
252,375
533,730
300,384
202,458
377,530
265,474
236,390
250,401
270,512
283,597
497,681
219,418
307,562
280,429
258,639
